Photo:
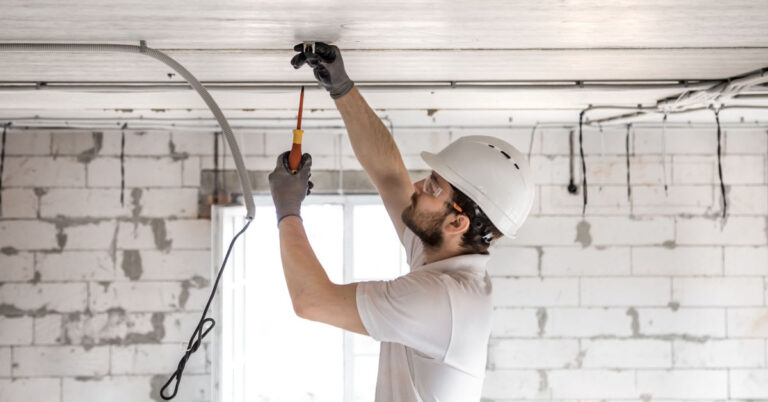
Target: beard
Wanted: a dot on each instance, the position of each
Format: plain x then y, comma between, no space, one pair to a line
426,226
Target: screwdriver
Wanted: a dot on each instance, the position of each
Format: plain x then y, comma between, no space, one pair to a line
294,158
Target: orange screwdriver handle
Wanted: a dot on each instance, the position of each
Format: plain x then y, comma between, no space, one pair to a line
294,158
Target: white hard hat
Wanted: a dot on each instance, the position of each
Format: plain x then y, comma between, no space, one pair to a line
491,172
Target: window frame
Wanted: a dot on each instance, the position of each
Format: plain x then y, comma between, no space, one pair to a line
226,221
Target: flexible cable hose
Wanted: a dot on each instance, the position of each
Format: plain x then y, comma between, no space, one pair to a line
197,336
158,55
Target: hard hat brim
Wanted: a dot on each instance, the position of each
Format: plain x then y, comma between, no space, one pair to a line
491,210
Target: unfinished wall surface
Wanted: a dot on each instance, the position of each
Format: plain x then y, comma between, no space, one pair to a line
653,298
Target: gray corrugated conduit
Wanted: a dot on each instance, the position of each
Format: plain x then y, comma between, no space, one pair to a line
158,55
197,336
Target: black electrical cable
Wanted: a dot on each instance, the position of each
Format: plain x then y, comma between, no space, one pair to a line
122,165
194,344
572,189
719,164
2,163
629,186
583,164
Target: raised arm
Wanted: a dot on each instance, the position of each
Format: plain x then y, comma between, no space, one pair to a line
377,152
372,143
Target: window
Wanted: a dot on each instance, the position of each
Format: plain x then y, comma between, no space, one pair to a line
263,351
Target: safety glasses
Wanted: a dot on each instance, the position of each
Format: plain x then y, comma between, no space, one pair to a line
432,187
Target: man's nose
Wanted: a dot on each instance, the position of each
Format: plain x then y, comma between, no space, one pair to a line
418,186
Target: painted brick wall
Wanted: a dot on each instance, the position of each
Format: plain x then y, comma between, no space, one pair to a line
650,299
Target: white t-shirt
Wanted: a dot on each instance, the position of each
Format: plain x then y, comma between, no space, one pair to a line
433,324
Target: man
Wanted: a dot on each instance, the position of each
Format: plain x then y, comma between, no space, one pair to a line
434,322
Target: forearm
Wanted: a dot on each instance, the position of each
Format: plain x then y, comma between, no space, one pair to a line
305,277
372,143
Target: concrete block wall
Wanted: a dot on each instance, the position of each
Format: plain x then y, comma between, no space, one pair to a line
653,297
649,298
96,296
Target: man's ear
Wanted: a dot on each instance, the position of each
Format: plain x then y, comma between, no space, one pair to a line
456,224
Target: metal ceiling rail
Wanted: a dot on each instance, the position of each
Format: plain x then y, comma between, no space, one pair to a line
143,125
130,86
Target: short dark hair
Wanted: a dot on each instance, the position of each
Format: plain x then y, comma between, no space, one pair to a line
481,231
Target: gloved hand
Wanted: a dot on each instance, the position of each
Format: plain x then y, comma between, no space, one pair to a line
327,65
289,189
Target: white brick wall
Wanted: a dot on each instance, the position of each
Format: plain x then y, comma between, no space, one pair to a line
41,171
60,361
5,363
654,298
155,359
625,291
532,353
18,267
80,321
30,389
629,353
19,203
684,384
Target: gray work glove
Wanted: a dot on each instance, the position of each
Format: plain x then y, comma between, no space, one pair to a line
327,65
289,189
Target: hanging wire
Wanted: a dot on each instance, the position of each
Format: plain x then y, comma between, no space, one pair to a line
122,165
2,163
571,186
719,163
193,343
583,164
602,157
664,152
530,144
629,183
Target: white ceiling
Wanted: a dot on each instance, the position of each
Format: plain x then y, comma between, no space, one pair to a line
390,41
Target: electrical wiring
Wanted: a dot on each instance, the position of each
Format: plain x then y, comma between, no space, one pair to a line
692,100
170,62
530,144
629,183
719,163
583,164
2,162
571,185
199,333
193,344
122,165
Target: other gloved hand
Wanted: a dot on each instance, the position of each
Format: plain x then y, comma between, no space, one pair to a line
328,66
289,189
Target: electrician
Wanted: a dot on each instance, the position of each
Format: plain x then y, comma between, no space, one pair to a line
434,322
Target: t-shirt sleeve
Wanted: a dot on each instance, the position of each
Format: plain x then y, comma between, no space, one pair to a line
413,310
